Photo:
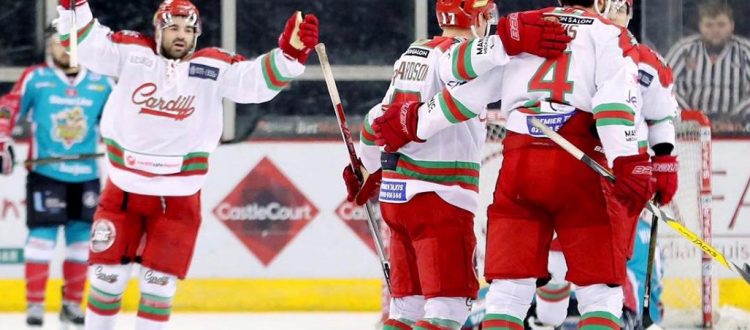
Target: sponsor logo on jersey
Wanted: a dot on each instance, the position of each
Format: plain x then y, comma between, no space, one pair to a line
75,169
96,87
69,126
555,122
644,78
419,52
392,191
90,199
44,84
484,45
355,217
71,101
412,71
177,109
203,71
575,20
631,135
631,99
141,60
265,211
103,236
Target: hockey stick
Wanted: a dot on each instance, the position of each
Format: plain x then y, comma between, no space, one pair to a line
73,36
646,314
353,159
673,223
50,160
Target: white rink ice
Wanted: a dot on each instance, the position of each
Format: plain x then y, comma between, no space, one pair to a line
228,321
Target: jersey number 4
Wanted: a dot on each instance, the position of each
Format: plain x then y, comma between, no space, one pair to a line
552,77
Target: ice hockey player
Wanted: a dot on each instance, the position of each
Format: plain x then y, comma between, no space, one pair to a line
429,190
590,96
63,105
163,119
655,131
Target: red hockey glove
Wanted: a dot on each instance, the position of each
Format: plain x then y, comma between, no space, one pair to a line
529,32
299,37
7,156
634,185
665,173
398,126
361,193
66,3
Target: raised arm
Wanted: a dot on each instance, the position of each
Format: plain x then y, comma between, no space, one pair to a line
99,49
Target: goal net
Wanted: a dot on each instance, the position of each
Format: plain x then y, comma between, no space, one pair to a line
690,295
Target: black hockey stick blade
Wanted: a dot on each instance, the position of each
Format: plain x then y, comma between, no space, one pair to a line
743,271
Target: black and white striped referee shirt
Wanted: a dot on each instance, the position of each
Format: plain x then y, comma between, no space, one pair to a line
717,86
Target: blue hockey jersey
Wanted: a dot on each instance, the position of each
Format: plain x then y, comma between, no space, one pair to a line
64,113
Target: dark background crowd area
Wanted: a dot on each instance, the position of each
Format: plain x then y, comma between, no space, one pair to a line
366,32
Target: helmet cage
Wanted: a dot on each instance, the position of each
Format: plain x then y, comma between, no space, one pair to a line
612,7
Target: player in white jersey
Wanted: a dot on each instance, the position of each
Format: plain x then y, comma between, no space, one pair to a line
590,96
162,120
655,130
429,189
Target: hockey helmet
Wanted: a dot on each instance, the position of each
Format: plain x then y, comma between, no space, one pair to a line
611,7
171,8
465,13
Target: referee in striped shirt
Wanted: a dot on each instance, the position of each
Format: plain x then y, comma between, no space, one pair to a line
712,69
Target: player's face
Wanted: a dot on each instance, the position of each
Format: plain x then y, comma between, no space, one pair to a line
59,56
177,39
716,30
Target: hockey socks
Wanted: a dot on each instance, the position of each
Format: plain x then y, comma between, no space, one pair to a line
38,252
157,291
74,275
401,324
501,322
599,321
554,293
108,282
36,281
437,324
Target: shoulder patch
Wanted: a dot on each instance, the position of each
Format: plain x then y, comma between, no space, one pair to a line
650,57
127,37
219,54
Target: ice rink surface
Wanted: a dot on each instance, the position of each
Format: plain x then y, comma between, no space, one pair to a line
228,321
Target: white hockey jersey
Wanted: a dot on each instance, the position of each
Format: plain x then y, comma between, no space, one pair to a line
164,117
448,163
660,107
597,74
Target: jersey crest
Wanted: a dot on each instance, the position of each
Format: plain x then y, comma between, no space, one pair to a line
69,126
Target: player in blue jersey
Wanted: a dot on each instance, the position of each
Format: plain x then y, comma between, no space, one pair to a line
63,105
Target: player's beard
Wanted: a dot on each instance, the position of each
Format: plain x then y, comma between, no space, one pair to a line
171,53
63,65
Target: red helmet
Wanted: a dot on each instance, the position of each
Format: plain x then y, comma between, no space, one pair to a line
172,8
463,13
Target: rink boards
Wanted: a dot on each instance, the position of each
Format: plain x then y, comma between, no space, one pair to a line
278,235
